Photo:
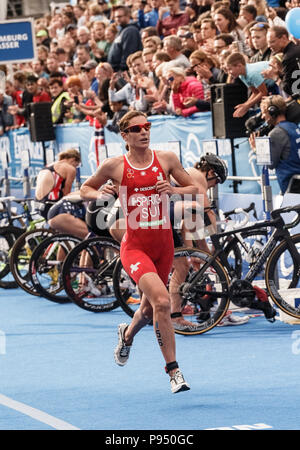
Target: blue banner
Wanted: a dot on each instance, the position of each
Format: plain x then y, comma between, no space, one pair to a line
183,135
17,40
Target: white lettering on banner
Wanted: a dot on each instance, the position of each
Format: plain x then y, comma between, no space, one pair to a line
224,147
22,142
14,37
6,45
12,40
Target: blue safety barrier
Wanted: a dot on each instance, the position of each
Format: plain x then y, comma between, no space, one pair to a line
183,135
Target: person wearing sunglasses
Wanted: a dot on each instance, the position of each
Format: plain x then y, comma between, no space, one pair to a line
182,88
141,178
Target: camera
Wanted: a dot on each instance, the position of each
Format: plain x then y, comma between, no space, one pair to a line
293,109
258,125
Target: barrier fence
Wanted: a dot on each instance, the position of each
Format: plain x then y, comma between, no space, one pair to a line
185,136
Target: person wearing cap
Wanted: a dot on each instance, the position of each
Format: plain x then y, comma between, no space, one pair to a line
89,69
42,38
187,38
71,30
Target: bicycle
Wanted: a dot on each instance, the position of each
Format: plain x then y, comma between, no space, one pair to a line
46,263
214,284
6,216
242,250
87,274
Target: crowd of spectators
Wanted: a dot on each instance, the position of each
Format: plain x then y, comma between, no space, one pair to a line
96,60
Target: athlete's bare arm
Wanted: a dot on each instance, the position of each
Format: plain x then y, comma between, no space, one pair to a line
68,172
201,183
110,169
172,167
45,180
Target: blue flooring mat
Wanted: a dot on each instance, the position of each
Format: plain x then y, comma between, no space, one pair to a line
58,372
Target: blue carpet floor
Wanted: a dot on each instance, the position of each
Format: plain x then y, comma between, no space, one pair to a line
58,372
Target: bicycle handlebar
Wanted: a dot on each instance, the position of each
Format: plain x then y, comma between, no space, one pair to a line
251,207
277,212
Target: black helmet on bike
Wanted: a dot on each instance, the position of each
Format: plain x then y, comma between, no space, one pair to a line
216,164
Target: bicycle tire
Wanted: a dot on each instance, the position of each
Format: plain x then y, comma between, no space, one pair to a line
282,274
9,236
45,266
21,254
127,293
90,285
12,233
126,290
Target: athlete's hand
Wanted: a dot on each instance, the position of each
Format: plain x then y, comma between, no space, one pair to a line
164,187
107,191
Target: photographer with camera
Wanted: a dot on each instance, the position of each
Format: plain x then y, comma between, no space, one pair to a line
284,140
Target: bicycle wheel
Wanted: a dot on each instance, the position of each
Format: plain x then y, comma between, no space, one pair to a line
21,254
283,276
126,291
88,273
45,266
199,290
8,236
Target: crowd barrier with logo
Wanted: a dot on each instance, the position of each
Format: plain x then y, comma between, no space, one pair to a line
185,136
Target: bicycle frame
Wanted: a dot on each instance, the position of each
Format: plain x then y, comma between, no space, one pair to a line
25,214
279,233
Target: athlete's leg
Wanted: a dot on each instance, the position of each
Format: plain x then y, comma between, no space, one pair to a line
66,223
142,317
158,297
117,230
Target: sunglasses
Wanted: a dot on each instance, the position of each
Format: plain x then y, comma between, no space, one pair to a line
259,26
170,79
137,128
194,66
